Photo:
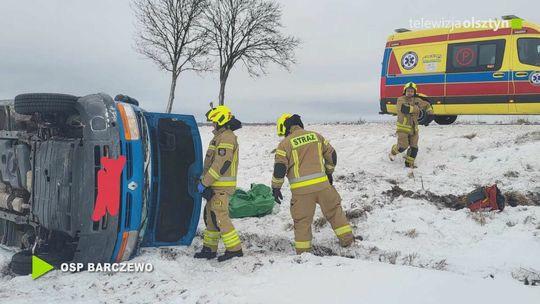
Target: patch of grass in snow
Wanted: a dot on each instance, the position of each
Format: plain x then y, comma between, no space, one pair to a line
356,213
410,259
412,233
441,167
469,136
527,276
319,222
374,249
527,137
441,265
392,182
262,243
389,257
510,224
479,217
448,201
169,254
529,219
514,198
456,202
513,174
523,121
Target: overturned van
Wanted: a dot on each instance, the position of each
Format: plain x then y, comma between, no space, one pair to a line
90,179
466,71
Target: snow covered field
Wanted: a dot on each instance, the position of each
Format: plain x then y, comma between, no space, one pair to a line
415,248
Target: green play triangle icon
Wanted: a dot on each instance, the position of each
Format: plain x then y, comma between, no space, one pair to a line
40,267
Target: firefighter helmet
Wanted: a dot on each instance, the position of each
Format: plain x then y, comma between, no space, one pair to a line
281,129
410,85
219,115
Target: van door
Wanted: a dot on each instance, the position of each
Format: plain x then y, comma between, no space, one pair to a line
478,78
176,166
526,74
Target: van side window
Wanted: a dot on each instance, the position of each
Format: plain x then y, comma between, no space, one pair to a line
475,56
529,51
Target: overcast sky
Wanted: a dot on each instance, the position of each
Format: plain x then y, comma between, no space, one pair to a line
82,47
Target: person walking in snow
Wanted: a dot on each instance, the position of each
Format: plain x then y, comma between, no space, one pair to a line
410,107
308,160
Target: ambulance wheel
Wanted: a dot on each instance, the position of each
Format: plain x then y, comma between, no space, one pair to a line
445,120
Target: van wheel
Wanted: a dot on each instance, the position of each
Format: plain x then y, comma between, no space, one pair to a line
21,262
445,120
45,103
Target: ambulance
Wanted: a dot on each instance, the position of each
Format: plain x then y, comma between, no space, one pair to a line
466,71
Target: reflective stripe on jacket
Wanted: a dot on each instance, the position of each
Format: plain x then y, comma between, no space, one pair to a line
307,157
221,161
408,122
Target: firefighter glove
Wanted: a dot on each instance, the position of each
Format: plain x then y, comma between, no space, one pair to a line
276,192
206,192
405,109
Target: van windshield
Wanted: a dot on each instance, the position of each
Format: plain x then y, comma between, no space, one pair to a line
529,51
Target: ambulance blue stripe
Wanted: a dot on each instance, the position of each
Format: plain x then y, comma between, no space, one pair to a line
418,79
386,58
476,77
450,78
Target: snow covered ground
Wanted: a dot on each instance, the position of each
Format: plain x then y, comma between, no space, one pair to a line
415,249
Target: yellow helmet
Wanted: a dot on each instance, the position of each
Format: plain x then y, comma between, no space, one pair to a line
281,129
410,85
220,115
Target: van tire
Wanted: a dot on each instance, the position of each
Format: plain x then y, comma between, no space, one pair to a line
45,103
445,120
21,262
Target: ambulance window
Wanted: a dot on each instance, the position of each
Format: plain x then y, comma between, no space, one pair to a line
464,56
475,56
487,54
529,51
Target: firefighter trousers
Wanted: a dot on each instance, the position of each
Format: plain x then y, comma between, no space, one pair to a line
303,210
407,142
219,225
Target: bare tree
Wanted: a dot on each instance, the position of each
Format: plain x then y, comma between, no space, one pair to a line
248,31
171,35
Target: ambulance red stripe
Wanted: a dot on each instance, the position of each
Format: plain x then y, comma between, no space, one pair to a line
477,88
458,36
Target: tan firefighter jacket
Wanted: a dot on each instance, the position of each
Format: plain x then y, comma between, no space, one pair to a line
221,161
408,122
308,159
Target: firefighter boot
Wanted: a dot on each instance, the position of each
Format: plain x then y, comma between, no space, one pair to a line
229,255
205,253
391,156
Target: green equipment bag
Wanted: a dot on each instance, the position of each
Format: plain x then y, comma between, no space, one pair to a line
256,202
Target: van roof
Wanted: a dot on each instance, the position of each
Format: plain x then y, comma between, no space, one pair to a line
444,31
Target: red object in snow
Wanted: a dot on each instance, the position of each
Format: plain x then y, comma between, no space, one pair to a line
108,186
486,198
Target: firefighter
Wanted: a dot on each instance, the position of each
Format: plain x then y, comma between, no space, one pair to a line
308,160
410,107
218,182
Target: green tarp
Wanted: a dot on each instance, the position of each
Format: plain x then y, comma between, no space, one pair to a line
256,202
